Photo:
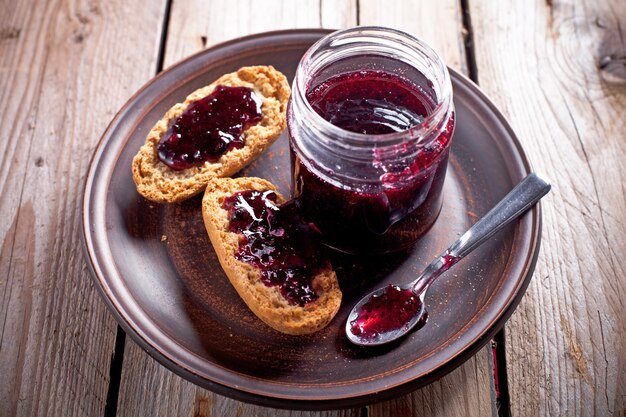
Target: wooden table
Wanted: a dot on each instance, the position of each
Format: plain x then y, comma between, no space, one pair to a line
555,68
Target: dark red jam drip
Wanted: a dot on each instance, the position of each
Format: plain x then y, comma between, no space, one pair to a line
394,216
370,102
276,240
210,127
389,311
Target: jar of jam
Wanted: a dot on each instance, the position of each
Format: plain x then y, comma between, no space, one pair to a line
370,122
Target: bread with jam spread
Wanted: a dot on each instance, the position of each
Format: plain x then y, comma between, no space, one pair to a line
266,301
158,182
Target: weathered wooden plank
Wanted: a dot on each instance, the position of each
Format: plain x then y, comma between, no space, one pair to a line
65,68
440,24
196,24
159,392
146,387
542,63
464,392
468,390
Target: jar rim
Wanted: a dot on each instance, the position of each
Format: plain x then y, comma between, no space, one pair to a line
345,36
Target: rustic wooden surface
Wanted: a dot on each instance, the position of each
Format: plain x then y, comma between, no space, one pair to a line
540,62
553,68
65,69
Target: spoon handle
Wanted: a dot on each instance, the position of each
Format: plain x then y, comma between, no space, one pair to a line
514,204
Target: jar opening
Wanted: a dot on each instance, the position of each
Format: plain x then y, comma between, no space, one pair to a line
375,49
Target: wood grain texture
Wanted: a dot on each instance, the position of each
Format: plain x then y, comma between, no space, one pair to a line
146,387
149,389
159,392
566,344
468,390
65,68
196,24
438,23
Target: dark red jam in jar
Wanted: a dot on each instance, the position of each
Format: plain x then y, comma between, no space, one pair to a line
210,127
276,240
371,120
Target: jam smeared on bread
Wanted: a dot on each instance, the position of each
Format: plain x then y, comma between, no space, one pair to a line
210,127
159,182
277,241
226,210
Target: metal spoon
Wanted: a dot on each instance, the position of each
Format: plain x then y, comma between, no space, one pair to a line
513,205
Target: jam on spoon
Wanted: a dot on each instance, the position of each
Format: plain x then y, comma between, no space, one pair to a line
513,205
387,311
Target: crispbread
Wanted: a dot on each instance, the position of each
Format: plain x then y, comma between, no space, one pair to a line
157,182
264,301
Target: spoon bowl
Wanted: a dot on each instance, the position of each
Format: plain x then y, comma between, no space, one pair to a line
389,313
356,327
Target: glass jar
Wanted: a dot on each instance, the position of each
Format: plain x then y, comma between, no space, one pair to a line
370,122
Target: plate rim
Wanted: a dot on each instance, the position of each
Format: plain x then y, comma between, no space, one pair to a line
260,396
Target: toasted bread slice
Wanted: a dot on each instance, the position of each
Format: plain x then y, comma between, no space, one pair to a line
158,182
264,301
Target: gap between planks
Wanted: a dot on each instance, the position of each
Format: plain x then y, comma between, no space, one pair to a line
117,359
499,355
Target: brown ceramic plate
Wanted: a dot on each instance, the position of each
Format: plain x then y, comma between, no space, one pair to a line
157,271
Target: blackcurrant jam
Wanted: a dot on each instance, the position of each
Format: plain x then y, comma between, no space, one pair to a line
370,120
370,102
210,127
389,311
276,240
